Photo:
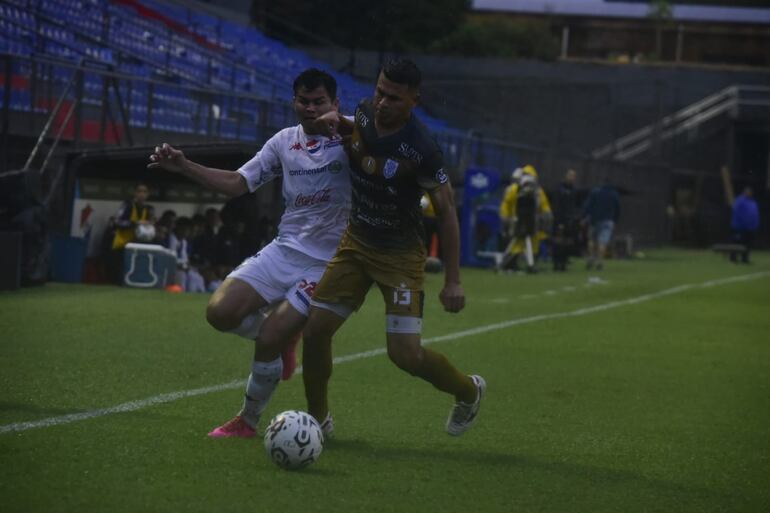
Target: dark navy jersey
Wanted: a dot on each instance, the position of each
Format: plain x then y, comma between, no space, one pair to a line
388,176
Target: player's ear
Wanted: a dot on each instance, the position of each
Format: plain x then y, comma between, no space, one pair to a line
336,104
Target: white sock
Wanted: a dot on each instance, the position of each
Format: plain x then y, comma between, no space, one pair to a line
250,325
263,380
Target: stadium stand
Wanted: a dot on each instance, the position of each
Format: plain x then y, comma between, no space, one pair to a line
164,42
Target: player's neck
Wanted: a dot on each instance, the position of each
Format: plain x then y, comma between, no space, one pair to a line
310,131
386,130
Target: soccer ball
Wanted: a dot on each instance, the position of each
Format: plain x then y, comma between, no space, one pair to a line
293,440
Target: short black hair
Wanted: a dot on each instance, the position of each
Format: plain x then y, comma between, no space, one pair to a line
183,222
312,78
402,71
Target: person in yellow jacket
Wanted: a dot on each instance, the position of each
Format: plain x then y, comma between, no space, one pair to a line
132,213
525,213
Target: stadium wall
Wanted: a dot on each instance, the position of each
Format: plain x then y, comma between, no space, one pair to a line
568,106
554,115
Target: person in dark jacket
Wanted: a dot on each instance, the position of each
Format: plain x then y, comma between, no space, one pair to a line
745,223
601,211
565,219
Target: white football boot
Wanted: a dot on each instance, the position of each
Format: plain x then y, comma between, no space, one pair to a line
463,415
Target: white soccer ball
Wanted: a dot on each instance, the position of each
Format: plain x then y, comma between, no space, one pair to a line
293,440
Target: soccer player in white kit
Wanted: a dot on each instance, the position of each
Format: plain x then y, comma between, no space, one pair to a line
267,298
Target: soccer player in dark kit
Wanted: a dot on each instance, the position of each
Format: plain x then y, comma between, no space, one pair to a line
393,159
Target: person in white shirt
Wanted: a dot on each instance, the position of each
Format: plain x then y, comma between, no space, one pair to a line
267,297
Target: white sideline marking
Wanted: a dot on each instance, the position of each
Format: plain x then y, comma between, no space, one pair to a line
175,396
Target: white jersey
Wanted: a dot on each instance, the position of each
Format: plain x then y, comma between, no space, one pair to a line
316,188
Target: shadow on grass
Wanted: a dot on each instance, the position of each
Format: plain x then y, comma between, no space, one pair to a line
498,461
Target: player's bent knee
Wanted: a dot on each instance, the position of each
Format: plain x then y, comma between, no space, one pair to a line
314,335
318,330
220,317
272,341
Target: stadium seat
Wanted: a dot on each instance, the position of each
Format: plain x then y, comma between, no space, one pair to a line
170,43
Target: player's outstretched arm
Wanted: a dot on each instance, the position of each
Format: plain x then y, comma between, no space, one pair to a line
452,296
171,159
334,123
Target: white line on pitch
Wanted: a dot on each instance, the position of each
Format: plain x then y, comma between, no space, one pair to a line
175,396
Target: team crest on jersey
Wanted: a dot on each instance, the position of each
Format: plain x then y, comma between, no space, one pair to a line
441,176
390,168
296,146
313,146
368,164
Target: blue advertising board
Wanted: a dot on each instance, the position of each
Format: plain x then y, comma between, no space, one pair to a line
479,219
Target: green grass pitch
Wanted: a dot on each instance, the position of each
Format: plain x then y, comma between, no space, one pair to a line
647,389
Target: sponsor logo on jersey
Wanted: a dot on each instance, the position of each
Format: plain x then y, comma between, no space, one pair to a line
441,176
307,200
377,222
313,146
410,153
331,143
362,183
296,146
361,118
390,168
368,164
334,167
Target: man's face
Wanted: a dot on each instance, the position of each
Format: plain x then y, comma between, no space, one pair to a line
308,105
141,193
393,102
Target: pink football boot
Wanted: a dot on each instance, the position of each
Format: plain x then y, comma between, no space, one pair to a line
235,427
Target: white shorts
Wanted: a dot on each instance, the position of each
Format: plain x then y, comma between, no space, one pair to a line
278,272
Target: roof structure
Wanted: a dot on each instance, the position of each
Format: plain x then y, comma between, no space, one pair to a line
620,9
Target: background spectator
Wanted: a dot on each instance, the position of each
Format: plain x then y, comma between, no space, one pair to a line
524,211
566,215
187,276
228,247
206,243
132,213
602,211
745,223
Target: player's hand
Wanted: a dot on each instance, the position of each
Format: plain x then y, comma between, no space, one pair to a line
452,296
167,157
328,124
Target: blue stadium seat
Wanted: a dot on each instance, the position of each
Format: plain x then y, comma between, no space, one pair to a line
247,61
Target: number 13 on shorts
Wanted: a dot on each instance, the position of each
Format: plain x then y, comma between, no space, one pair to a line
402,297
